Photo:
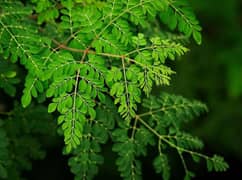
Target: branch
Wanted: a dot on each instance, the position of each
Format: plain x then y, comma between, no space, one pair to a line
125,56
163,138
6,113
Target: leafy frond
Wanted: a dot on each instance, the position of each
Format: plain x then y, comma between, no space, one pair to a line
128,165
162,166
19,37
174,110
179,14
87,157
47,10
187,141
217,163
74,87
171,111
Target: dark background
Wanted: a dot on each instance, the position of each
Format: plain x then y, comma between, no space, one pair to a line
211,73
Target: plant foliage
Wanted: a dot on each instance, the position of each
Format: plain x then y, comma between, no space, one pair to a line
22,137
95,61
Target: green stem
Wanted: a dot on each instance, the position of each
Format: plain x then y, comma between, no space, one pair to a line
134,128
163,138
6,113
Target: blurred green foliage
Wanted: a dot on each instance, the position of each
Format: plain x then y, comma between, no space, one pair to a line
8,79
213,72
24,136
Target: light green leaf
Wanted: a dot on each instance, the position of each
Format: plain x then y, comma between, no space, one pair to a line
52,107
26,99
197,37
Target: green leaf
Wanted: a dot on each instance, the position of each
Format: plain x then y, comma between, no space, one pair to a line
10,74
82,86
26,99
52,107
50,92
92,113
198,37
209,165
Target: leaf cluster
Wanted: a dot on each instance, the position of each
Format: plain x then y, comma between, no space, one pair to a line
95,62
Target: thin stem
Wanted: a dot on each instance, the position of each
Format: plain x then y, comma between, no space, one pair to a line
148,126
134,128
75,95
6,113
184,150
163,138
126,85
116,18
174,106
155,111
183,161
63,46
159,147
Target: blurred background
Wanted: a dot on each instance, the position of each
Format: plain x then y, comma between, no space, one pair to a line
211,73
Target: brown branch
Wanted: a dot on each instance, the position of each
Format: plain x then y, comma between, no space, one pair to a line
86,51
63,46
